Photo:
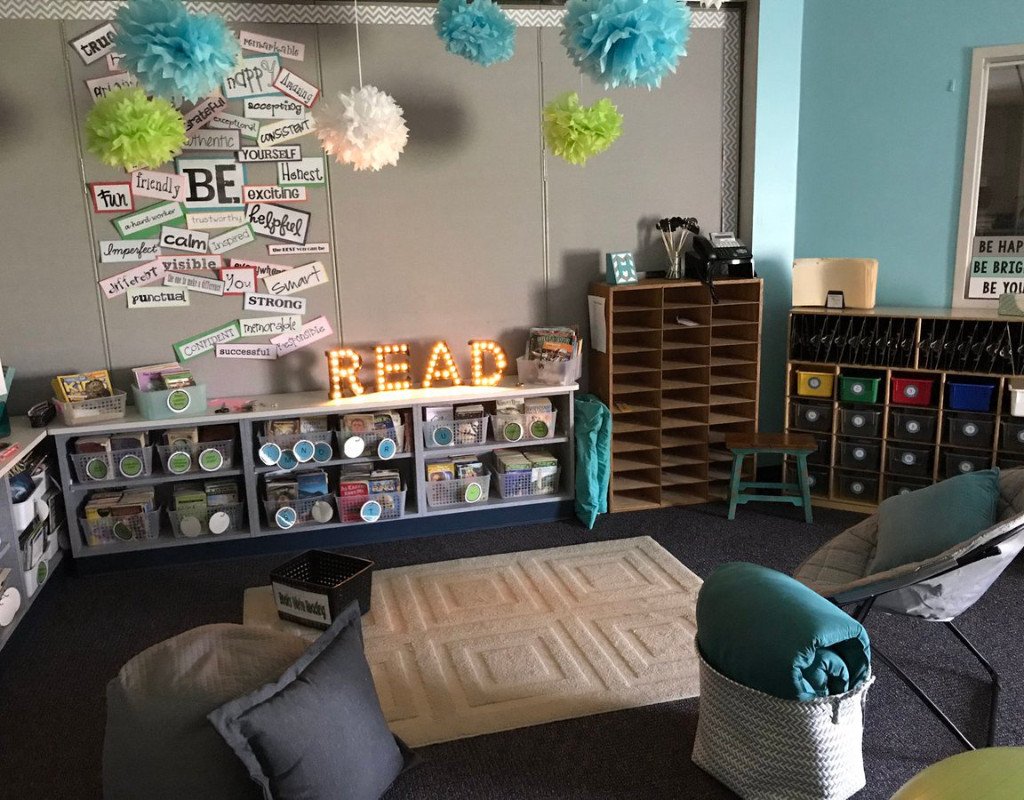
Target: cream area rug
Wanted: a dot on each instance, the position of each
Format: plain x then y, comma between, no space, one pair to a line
479,645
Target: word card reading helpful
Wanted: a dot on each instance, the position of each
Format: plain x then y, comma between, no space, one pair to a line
312,331
273,302
98,87
95,44
271,193
211,220
238,280
190,263
232,239
116,251
111,197
143,221
116,285
144,297
279,222
297,280
261,352
260,155
253,77
247,128
296,87
314,248
183,239
213,139
205,342
284,131
270,326
197,283
274,107
203,112
269,44
159,185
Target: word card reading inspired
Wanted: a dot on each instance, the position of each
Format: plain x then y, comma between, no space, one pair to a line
197,283
147,220
261,155
279,222
203,112
298,249
297,88
305,171
247,128
271,193
161,185
273,107
273,302
238,280
98,87
210,220
205,342
95,44
270,326
111,197
312,331
212,139
253,77
260,352
284,131
232,239
116,285
268,44
183,239
116,251
144,297
297,280
190,263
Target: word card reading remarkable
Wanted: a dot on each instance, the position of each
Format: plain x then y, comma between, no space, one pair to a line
145,297
206,341
269,44
279,222
297,280
197,283
273,302
312,331
259,352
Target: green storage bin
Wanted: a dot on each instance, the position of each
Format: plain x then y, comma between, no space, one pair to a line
171,403
858,390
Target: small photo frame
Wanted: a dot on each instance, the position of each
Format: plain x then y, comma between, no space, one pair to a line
619,268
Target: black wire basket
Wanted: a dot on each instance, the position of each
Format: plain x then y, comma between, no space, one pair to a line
317,586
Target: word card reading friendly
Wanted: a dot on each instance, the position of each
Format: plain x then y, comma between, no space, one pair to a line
159,185
279,222
297,280
253,77
273,302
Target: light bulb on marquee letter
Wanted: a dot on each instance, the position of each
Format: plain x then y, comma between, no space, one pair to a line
480,347
447,371
392,375
343,370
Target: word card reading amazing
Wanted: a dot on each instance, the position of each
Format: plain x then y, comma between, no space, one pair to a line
297,88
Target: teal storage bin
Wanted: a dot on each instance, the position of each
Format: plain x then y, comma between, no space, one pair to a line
171,403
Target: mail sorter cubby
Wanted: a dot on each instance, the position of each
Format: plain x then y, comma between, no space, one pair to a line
898,398
679,372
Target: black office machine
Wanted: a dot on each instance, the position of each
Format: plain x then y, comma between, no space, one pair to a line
718,256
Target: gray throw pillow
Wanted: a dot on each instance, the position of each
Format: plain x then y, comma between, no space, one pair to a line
319,731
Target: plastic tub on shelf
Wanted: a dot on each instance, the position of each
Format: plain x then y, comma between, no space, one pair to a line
895,486
371,508
912,391
971,396
288,514
858,488
138,527
1016,387
860,455
525,484
814,384
912,426
92,412
910,461
1012,436
459,491
549,373
854,389
857,422
812,416
188,401
455,432
824,452
969,430
212,520
960,463
522,427
202,457
383,444
23,513
117,464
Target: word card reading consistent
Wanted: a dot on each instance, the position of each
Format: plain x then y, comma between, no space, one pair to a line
205,342
136,225
117,285
268,44
247,128
190,263
203,112
253,77
183,239
273,107
262,352
114,62
197,283
298,249
231,239
297,88
110,197
210,220
279,222
271,193
213,139
98,87
237,280
312,331
270,326
262,268
115,251
273,302
95,44
259,155
144,297
284,131
161,185
305,171
214,182
297,280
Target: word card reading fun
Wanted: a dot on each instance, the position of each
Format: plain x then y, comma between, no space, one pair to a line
111,197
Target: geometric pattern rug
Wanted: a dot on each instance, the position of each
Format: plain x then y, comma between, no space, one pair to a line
479,645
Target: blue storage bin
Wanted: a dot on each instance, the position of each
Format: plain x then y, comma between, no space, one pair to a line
971,396
171,403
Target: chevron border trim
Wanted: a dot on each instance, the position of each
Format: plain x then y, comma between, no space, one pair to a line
732,88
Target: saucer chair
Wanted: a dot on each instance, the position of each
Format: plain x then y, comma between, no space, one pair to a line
938,589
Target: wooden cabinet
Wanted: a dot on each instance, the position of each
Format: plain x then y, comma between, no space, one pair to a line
678,373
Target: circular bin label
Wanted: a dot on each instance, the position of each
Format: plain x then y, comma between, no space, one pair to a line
811,480
304,450
131,466
322,511
97,468
858,420
474,492
860,453
285,517
905,490
190,527
179,400
387,448
211,459
857,487
913,426
512,431
814,383
1020,435
179,462
910,391
370,511
287,460
123,531
354,446
42,571
270,454
443,435
965,466
219,522
908,459
857,388
812,415
539,429
322,451
970,429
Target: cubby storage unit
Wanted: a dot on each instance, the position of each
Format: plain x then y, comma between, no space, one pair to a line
240,459
938,392
678,373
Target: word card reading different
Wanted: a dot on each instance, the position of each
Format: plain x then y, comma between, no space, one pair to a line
268,44
271,193
160,185
144,297
297,280
116,285
261,155
211,220
213,139
195,263
314,248
270,326
284,131
183,239
111,197
274,107
261,352
205,342
98,87
247,128
279,222
203,112
238,280
273,302
116,251
304,172
312,331
95,44
232,239
296,87
147,220
253,77
197,283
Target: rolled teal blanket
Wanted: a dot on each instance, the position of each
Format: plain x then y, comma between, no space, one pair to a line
767,631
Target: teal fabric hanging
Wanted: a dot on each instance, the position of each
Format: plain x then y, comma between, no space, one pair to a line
593,457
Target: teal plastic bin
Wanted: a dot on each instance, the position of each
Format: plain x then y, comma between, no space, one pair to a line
171,403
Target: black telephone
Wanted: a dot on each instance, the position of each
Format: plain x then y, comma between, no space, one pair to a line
719,255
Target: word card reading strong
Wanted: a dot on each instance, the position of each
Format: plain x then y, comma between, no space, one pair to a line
273,302
297,280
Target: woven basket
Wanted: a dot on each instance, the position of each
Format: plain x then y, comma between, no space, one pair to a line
766,748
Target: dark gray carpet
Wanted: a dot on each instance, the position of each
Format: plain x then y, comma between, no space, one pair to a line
53,673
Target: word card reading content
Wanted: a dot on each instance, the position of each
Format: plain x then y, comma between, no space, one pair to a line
144,297
312,331
254,76
279,222
298,279
205,342
260,352
111,197
197,283
296,87
273,302
269,44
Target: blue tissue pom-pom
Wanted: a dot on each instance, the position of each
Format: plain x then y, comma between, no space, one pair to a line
627,42
173,53
478,31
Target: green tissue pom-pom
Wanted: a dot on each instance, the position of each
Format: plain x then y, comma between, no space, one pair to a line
127,129
575,132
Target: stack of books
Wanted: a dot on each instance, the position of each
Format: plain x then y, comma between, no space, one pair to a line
362,481
160,377
115,505
289,426
82,386
285,490
553,344
539,465
387,424
462,467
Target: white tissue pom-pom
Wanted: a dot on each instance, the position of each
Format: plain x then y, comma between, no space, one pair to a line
366,129
710,3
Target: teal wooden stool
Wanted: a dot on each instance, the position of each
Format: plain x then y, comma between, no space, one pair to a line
798,445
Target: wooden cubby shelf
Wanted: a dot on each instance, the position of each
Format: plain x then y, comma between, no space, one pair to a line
677,388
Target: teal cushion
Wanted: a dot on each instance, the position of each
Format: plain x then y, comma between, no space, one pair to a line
767,631
916,526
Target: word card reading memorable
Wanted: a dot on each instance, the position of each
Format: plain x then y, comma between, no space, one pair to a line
270,326
98,87
314,248
274,107
284,131
268,44
184,239
195,263
213,139
997,267
197,283
260,155
238,280
214,182
160,185
231,239
203,112
116,251
145,297
305,171
263,269
261,352
273,302
111,197
253,77
271,193
279,222
211,220
312,331
205,342
247,128
143,221
116,285
297,88
114,62
297,280
95,44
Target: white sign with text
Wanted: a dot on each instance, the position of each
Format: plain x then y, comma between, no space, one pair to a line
260,352
95,44
144,274
312,331
166,297
98,87
213,139
270,326
298,279
247,128
272,302
116,251
231,239
197,283
269,44
238,280
212,220
160,185
284,131
184,240
279,222
273,107
296,87
253,77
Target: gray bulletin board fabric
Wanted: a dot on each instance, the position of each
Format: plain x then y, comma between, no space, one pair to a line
478,232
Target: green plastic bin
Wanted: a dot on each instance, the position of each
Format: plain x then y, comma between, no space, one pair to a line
858,390
171,403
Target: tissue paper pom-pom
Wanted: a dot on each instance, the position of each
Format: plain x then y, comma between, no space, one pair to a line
174,53
630,42
478,31
577,132
366,129
127,129
709,3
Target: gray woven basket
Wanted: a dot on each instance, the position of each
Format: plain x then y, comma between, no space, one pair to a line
766,748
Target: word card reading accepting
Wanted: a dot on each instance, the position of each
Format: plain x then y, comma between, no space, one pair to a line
253,77
297,280
108,198
297,88
274,107
268,44
279,222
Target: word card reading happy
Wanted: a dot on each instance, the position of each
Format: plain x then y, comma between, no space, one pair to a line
253,77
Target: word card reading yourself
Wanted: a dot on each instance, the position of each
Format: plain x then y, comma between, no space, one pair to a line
271,193
260,155
160,185
296,87
214,183
146,220
305,171
184,239
273,107
231,239
298,249
98,87
270,326
210,220
284,131
116,285
203,112
195,263
263,269
197,283
237,280
261,352
144,297
253,77
108,198
312,331
297,280
205,342
95,44
273,302
279,222
212,139
247,128
116,251
269,44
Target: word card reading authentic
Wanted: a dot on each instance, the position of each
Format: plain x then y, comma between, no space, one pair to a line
312,331
297,280
213,139
206,341
279,222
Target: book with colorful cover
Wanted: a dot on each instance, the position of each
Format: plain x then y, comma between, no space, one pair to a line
83,386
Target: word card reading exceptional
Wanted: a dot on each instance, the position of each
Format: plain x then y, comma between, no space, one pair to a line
203,112
115,251
98,87
213,139
279,222
269,44
214,182
253,77
111,197
205,342
305,171
194,263
260,155
160,185
145,297
238,280
232,239
271,193
147,220
95,44
184,239
247,128
116,285
312,331
284,131
273,107
197,283
273,302
298,249
270,326
261,352
211,220
296,87
297,280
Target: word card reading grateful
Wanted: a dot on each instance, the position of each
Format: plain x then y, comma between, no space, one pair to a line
95,44
261,352
297,88
203,112
273,302
269,44
110,197
238,280
279,222
312,331
297,280
253,77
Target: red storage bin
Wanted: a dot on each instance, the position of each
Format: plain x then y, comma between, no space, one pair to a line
912,391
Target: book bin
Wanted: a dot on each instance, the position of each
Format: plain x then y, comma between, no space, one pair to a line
314,588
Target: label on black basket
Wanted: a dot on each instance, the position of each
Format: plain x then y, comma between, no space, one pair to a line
300,603
913,426
811,415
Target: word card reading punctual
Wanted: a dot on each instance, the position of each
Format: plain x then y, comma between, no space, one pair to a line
269,44
159,185
183,239
273,107
270,326
297,280
146,220
284,131
197,283
273,302
145,297
232,239
95,44
253,77
312,331
279,222
214,182
213,139
111,197
211,220
115,251
116,285
98,87
260,155
203,112
296,87
205,342
237,280
247,128
260,352
272,193
194,263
